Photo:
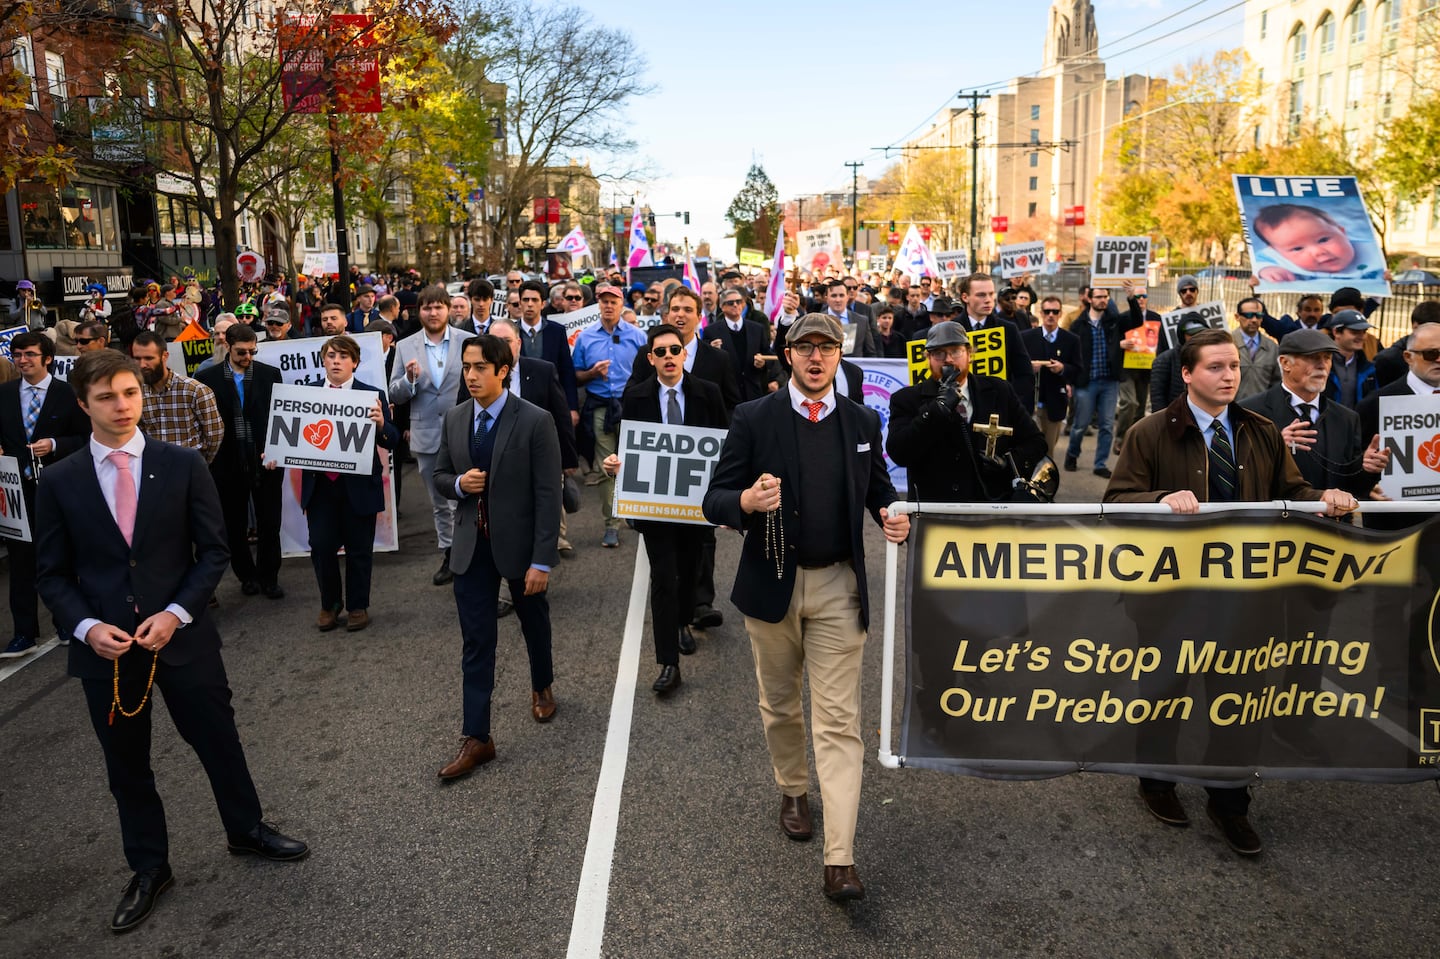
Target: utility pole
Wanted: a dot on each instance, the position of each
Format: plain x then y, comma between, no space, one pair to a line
854,205
974,96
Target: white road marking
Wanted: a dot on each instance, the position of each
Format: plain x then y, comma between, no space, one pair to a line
14,666
587,930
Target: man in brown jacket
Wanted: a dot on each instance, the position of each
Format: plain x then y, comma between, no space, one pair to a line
1205,448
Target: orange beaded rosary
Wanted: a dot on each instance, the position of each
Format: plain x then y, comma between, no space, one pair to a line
149,685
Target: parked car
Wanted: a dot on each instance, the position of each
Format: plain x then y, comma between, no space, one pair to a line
1417,278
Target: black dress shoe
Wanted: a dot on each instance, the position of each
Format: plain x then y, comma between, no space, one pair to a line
687,641
707,617
1239,835
264,841
842,884
443,576
274,591
1103,472
1165,806
1070,464
250,588
139,898
668,681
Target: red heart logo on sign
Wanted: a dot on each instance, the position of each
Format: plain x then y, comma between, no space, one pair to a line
318,434
1022,260
1430,452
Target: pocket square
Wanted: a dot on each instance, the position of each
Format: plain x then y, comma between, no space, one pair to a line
863,448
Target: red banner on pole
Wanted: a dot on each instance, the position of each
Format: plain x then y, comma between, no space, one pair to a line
999,224
303,43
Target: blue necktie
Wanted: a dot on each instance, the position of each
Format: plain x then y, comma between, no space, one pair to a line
32,413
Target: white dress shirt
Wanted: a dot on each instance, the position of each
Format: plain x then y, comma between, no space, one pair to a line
798,401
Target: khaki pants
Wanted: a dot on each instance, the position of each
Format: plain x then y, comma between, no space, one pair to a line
820,633
1051,429
605,444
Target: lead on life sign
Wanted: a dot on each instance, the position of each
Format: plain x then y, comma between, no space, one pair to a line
665,470
1116,259
316,428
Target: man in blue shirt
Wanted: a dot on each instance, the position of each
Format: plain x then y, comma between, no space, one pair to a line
604,354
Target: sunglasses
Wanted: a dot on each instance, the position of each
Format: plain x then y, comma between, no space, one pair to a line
731,303
673,350
239,352
85,340
1190,289
1050,312
1429,356
574,298
275,322
1250,314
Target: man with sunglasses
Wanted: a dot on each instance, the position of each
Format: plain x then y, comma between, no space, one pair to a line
1422,356
797,474
242,386
1259,354
1055,358
94,335
745,341
604,355
277,324
39,419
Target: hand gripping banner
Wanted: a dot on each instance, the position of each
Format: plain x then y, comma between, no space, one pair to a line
1212,649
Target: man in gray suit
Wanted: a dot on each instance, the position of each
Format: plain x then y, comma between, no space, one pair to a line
427,376
1259,354
500,458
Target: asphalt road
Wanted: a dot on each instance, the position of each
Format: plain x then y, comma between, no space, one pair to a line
344,734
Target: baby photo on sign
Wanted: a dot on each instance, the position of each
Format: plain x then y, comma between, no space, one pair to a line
1309,234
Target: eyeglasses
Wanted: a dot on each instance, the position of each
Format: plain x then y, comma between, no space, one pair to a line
806,348
85,340
673,350
27,355
1250,314
1049,312
1429,356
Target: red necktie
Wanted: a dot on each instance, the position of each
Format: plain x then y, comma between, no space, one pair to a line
332,477
814,409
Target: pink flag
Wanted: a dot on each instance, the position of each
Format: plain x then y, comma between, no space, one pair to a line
575,244
775,292
639,244
691,276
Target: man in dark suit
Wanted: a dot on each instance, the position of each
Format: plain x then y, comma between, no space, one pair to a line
38,418
674,549
1323,435
543,339
837,304
1055,358
1422,379
535,381
745,341
242,389
131,548
504,530
977,293
340,510
801,468
937,428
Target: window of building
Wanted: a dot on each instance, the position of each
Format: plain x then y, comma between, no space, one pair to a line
81,216
1435,209
1387,14
1034,183
1264,23
1034,111
244,224
1034,160
1354,86
1322,95
309,237
55,80
1325,33
1295,114
1298,46
1356,22
1404,215
152,94
23,57
1034,135
1031,210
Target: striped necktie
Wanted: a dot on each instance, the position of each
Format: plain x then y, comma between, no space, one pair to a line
32,413
1223,474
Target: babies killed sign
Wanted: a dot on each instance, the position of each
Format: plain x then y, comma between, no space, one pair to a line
665,470
314,428
1017,259
14,523
1116,259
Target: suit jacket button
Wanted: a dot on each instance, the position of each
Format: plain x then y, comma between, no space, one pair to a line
130,600
132,564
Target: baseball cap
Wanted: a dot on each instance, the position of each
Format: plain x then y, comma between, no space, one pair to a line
1187,282
608,289
1192,323
944,334
1349,320
1305,342
821,323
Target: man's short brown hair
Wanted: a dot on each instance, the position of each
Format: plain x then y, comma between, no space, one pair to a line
1190,352
974,278
683,290
342,344
99,366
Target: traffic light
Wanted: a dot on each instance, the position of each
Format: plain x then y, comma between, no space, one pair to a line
892,226
651,218
687,217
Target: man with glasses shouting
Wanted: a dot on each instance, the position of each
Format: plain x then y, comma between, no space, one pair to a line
242,387
40,423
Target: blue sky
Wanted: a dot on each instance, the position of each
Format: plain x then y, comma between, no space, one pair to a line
804,87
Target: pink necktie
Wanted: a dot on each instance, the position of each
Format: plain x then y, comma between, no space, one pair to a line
124,494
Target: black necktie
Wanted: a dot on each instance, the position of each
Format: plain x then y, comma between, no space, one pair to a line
1223,474
1306,411
673,416
478,437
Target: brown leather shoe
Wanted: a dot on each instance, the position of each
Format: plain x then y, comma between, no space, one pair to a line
357,620
473,754
542,705
795,817
842,884
327,620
